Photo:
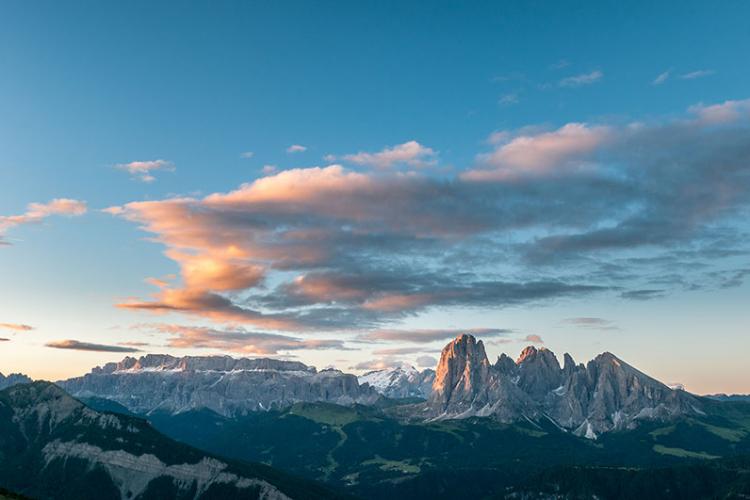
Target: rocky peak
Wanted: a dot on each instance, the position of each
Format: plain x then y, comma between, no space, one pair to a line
505,365
528,352
462,373
539,371
569,366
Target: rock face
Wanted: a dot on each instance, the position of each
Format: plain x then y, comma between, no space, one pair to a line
13,379
606,394
400,382
65,450
223,384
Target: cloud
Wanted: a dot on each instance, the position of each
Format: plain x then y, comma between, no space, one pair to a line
508,99
534,339
562,63
134,344
426,362
424,336
86,346
143,170
378,364
591,323
645,294
662,78
16,327
409,153
540,154
544,216
582,79
701,73
722,113
38,212
247,155
296,148
240,341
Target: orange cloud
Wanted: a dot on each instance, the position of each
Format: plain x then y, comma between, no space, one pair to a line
16,327
37,212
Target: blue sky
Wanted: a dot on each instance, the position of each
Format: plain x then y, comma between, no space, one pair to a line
88,88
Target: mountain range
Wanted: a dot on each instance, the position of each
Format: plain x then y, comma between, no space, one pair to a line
222,384
160,426
605,394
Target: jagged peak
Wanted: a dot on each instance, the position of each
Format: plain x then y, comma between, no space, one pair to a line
608,357
568,362
465,338
528,352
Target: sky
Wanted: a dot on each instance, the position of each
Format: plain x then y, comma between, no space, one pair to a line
353,184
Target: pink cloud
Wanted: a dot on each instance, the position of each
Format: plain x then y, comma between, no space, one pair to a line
37,212
726,112
540,154
410,153
143,170
16,327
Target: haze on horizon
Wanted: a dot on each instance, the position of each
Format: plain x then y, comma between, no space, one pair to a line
356,187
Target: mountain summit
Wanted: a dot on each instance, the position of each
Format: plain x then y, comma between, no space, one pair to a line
606,394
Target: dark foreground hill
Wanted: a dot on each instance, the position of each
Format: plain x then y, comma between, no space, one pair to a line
53,446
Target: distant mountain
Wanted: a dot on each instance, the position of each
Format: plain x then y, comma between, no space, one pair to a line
222,384
53,446
13,379
604,395
730,397
400,382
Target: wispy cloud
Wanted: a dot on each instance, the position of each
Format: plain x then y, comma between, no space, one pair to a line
296,148
247,155
16,327
643,294
662,78
562,63
591,323
582,79
76,345
144,170
701,73
508,99
38,212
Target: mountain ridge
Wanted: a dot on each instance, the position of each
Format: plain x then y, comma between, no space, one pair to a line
605,394
54,446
